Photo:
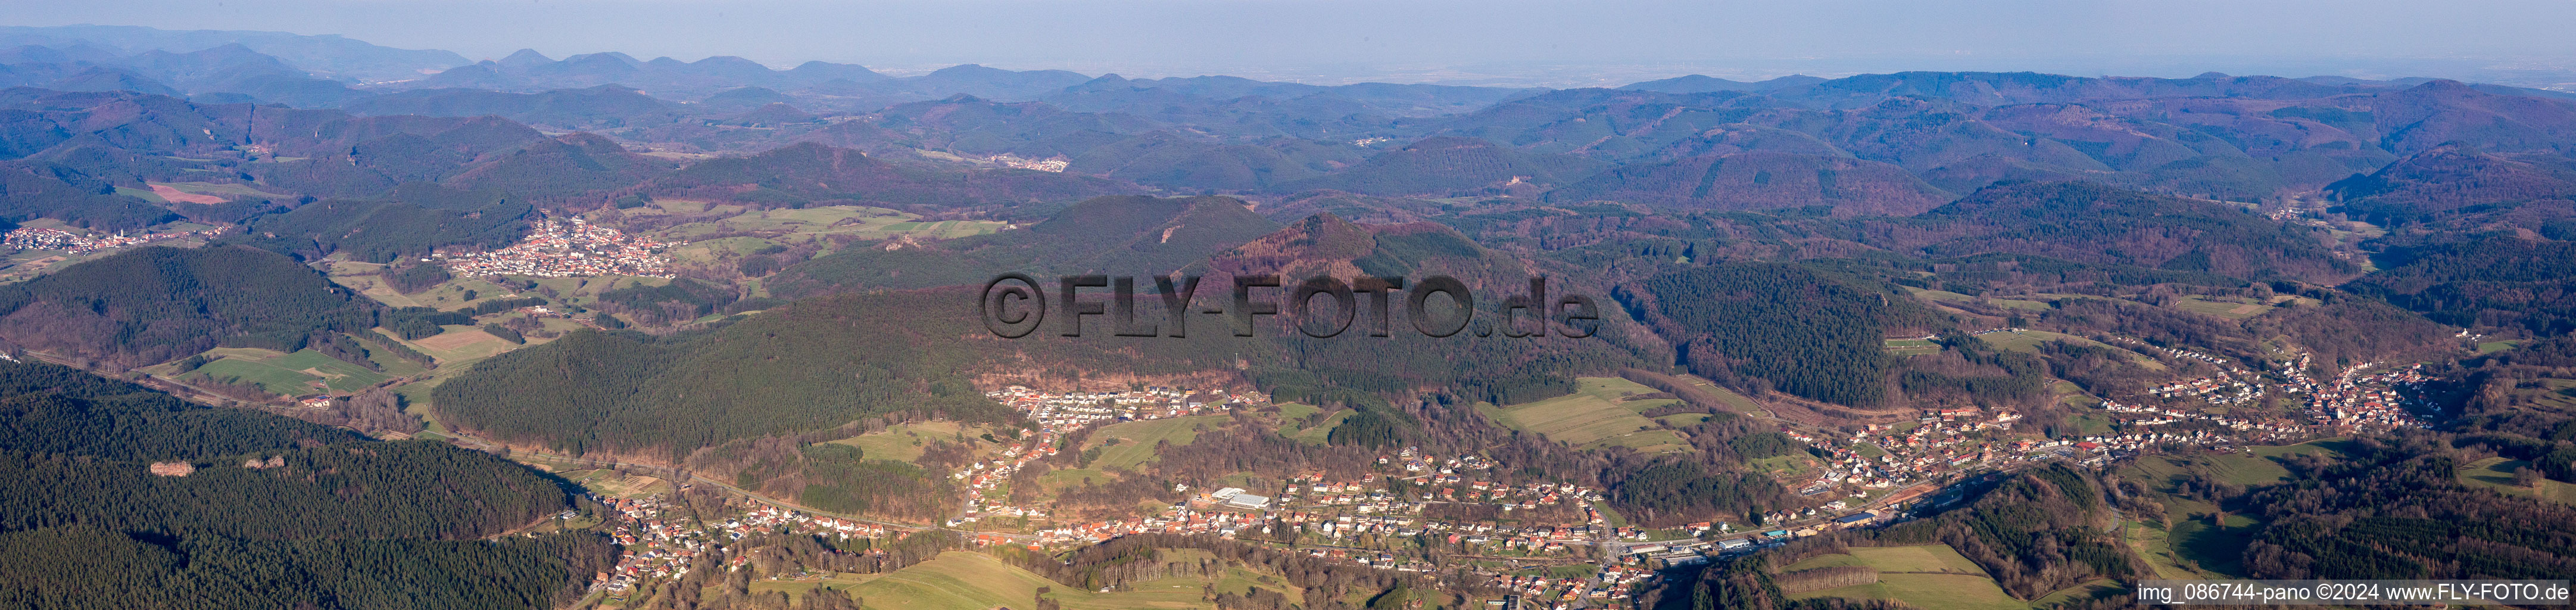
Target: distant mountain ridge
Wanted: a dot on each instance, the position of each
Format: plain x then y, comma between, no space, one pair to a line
328,55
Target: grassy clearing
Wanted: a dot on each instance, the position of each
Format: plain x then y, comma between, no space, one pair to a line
1136,439
2497,346
2156,546
217,189
1318,433
959,580
2020,304
611,483
1596,414
2233,308
1912,347
2085,590
461,343
801,225
2208,545
1941,295
904,442
450,295
1933,577
302,372
275,380
2250,466
2497,473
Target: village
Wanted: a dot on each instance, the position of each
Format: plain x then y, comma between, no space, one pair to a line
36,238
1867,477
561,248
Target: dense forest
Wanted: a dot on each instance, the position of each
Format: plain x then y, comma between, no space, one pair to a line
1779,325
157,304
408,222
271,511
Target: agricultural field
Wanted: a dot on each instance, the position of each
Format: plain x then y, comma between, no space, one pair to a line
2020,304
2197,543
607,482
2156,545
961,580
1315,434
1941,295
1933,577
450,295
792,225
904,442
2224,307
1598,413
942,228
460,344
2233,308
1137,439
302,372
2497,346
1912,347
2249,466
2497,473
199,192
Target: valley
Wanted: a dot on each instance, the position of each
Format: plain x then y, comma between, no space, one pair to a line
599,332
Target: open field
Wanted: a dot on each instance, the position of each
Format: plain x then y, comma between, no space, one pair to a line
960,580
2224,307
1595,414
799,225
610,483
2497,473
1934,577
2195,545
943,228
302,372
276,380
904,442
2086,590
462,342
1941,295
2156,546
450,295
1912,347
1926,558
1137,439
2020,304
218,191
2259,465
1319,432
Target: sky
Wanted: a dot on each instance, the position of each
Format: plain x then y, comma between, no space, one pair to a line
1558,43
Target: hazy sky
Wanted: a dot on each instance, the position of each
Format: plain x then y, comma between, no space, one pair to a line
1426,40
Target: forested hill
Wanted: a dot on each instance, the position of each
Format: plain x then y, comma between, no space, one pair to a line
2092,223
155,304
808,172
1801,330
814,364
410,221
275,512
1130,235
2498,281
